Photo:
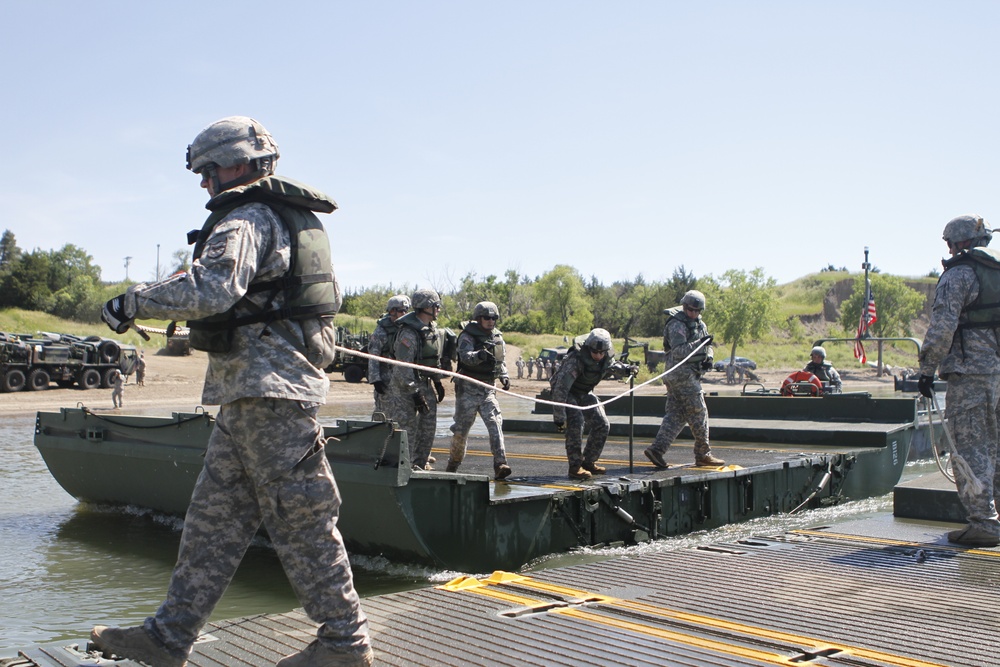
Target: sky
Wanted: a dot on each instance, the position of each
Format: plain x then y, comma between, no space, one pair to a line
620,138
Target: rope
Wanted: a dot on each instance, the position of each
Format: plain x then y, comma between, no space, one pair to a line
957,461
466,378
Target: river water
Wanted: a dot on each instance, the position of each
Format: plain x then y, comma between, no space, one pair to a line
67,566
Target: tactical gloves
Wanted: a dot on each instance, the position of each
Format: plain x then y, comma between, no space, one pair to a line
706,365
484,356
925,385
439,390
379,386
421,403
505,382
560,425
114,316
707,340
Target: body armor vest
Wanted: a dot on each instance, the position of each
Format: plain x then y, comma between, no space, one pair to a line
984,312
492,341
308,287
693,329
390,328
431,340
591,370
822,371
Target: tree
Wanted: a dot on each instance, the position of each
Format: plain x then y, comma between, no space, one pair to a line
897,306
562,299
10,254
182,260
742,308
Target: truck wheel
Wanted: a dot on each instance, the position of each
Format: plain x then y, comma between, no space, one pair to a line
354,373
13,380
108,378
38,379
109,352
90,379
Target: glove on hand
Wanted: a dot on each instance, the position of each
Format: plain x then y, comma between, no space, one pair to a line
707,340
925,385
706,365
421,403
379,386
439,390
114,316
560,425
484,356
505,382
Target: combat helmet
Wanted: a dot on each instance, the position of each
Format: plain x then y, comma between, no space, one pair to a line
818,350
424,299
230,142
967,228
599,340
693,298
398,302
485,309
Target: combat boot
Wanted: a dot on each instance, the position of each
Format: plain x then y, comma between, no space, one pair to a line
318,655
135,644
972,536
502,471
452,466
656,458
579,472
708,460
594,469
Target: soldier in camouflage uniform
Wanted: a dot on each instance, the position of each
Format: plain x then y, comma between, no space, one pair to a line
481,354
380,373
413,395
531,366
824,370
260,298
540,367
963,344
520,367
583,368
685,401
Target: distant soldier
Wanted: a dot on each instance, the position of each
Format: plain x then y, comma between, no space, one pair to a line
685,401
380,342
549,365
540,366
520,367
583,368
481,354
962,345
414,395
531,366
117,388
140,370
824,370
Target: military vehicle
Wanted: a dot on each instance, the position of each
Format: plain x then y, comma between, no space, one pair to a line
354,368
652,358
553,353
33,361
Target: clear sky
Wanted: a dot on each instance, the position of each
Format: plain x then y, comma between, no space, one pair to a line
617,137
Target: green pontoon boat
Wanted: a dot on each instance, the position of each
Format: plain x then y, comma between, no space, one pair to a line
783,454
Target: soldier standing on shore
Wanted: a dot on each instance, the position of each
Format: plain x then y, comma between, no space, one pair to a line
685,400
140,370
117,388
481,354
963,344
531,366
380,342
520,367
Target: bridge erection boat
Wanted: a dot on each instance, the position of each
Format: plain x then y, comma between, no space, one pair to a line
782,455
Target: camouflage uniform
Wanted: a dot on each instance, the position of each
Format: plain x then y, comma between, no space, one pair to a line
969,359
399,400
826,374
379,370
540,366
531,366
471,399
574,384
118,388
265,461
685,400
520,368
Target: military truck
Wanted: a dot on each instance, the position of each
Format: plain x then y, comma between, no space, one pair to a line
354,368
553,354
34,361
652,358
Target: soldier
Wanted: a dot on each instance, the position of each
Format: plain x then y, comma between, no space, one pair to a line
685,401
520,367
259,297
540,367
582,369
531,366
824,370
413,396
962,344
380,373
481,354
117,388
140,370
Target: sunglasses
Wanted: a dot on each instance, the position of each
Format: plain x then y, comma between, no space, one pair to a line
490,317
693,310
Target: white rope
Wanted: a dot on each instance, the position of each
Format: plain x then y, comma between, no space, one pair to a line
466,378
957,460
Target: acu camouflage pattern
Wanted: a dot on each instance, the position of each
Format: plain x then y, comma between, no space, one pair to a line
265,463
685,400
595,419
379,370
251,243
398,401
472,399
970,361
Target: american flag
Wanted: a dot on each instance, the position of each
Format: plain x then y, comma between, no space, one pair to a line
868,318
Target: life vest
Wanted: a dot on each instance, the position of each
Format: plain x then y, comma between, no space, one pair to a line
431,339
489,340
795,384
984,312
308,288
696,329
822,371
